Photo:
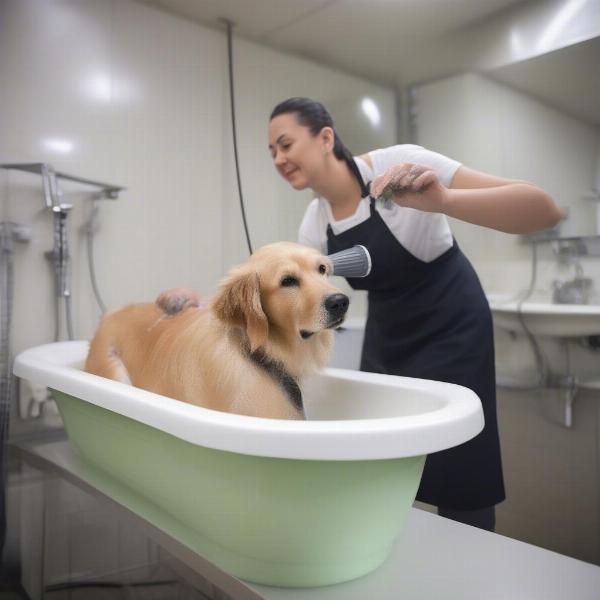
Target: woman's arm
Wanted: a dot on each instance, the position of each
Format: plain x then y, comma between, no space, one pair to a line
507,205
503,204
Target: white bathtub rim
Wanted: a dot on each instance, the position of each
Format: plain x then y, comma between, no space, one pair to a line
356,439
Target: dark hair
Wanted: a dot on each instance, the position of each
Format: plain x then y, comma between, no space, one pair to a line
314,116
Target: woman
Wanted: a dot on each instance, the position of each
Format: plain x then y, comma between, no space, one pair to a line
428,316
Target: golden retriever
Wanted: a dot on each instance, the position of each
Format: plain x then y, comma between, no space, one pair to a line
246,351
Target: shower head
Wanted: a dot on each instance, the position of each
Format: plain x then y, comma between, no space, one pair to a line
352,262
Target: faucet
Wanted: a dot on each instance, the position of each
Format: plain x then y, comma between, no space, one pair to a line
573,291
60,259
576,290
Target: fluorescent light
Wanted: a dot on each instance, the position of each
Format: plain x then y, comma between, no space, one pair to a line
371,110
558,23
98,87
58,145
516,44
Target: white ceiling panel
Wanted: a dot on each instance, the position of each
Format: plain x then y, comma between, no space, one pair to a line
371,38
568,79
252,18
403,42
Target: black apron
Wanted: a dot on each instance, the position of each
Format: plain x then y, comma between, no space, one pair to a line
431,320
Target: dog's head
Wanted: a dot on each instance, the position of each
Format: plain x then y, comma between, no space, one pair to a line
282,292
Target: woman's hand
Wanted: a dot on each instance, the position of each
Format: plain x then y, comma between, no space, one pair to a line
411,185
175,300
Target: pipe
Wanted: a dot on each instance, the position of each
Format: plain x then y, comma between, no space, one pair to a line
540,360
90,231
60,257
6,300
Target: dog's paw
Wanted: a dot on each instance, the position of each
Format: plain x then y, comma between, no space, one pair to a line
175,300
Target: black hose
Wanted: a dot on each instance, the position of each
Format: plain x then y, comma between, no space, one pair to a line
229,25
6,302
89,230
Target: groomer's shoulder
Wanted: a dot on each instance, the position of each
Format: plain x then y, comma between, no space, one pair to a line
311,225
312,211
385,158
381,159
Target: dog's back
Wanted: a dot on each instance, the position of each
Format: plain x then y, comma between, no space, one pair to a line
190,356
124,338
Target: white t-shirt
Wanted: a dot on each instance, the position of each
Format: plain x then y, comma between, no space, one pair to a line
425,235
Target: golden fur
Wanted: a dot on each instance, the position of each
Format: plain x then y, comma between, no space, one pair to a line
200,354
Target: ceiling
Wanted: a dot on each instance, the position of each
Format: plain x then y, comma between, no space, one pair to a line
404,42
375,39
568,79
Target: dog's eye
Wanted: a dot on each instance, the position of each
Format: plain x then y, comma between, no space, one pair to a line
322,269
290,281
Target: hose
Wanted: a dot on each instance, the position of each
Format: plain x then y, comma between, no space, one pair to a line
56,317
229,25
90,231
6,301
69,315
540,359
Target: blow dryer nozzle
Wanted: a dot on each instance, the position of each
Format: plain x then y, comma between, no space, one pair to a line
353,262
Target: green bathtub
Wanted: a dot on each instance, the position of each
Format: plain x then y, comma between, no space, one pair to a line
286,503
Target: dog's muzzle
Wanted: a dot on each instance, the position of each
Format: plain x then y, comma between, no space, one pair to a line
336,306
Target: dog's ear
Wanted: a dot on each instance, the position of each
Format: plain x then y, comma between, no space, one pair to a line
238,304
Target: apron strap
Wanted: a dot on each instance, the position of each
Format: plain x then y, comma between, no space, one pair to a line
365,190
371,201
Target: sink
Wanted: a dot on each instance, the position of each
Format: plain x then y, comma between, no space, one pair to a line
544,318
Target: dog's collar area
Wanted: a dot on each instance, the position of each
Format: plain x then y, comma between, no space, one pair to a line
280,375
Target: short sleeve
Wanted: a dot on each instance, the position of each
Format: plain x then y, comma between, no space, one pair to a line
309,233
444,167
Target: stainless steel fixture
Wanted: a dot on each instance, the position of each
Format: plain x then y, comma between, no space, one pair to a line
59,256
50,177
576,290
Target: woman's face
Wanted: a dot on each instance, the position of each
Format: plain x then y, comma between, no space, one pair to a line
298,155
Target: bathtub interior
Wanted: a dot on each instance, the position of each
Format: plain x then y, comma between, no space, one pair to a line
348,344
335,395
338,395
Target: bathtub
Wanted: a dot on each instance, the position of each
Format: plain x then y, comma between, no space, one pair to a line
286,503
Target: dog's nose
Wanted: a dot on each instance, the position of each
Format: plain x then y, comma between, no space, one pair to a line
337,304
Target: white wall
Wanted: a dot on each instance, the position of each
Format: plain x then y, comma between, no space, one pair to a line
491,127
552,473
143,98
263,78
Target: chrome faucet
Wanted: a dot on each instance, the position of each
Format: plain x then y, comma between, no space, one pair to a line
60,259
60,255
576,290
573,291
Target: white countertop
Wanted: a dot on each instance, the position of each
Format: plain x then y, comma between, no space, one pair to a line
434,558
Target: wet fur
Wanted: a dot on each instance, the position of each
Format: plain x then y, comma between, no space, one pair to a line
199,355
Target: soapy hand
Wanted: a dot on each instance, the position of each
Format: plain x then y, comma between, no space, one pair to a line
175,300
411,185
